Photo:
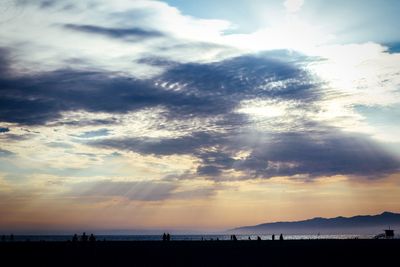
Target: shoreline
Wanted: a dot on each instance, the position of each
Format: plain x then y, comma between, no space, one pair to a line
186,237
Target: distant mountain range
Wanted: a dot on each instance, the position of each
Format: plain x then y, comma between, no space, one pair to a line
362,224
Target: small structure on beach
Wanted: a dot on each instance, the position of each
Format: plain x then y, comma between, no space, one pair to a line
389,234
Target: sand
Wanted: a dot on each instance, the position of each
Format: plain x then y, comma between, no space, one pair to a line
203,253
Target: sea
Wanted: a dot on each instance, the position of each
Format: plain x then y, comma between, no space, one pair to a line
180,237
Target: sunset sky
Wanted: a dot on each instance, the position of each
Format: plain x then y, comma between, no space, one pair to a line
196,115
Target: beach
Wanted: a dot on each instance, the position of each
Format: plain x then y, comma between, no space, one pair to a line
356,252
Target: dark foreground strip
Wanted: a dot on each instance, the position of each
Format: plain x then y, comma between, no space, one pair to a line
203,253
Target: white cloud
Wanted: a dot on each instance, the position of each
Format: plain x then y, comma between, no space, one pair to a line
262,108
40,42
293,6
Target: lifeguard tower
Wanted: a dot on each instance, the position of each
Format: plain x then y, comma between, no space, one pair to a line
389,233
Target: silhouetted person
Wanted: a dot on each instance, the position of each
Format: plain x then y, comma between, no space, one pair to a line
75,238
281,237
273,237
11,237
168,237
234,238
164,237
249,238
84,237
92,238
258,238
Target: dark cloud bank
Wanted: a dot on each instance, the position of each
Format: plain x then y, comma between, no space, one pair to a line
205,91
118,33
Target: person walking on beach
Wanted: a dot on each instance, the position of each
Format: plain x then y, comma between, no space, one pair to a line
164,237
75,238
92,238
281,237
168,237
273,237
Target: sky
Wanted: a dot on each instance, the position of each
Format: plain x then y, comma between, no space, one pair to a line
133,115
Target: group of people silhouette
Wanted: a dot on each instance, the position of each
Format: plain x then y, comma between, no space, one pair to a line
166,237
280,237
234,238
84,238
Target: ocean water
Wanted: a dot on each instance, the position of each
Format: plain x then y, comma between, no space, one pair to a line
184,237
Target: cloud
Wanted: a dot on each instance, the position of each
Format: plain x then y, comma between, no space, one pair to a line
96,133
4,129
209,170
5,153
313,153
393,47
115,36
293,6
199,89
180,145
319,153
60,145
130,34
285,143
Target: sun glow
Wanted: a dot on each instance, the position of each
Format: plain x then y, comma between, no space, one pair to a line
292,32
